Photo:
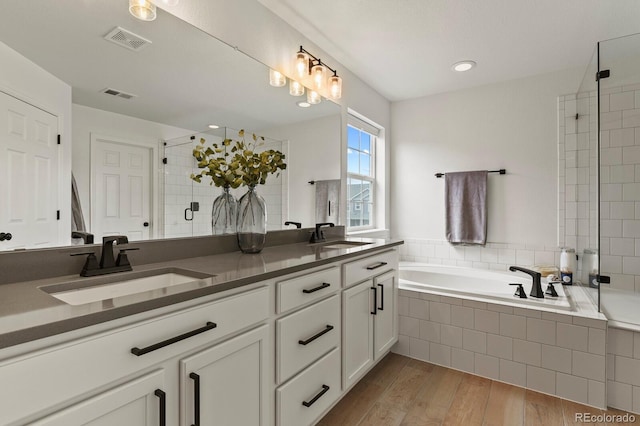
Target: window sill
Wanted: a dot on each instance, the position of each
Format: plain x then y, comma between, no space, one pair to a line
372,233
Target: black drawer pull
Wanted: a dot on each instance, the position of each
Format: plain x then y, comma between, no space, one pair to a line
324,390
327,329
376,266
163,406
313,290
138,352
375,301
381,307
196,398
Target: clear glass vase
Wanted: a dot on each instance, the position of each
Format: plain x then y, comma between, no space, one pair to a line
224,213
252,221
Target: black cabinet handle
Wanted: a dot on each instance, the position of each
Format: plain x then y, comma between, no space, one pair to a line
324,390
138,352
312,290
163,406
5,236
196,398
375,301
376,266
327,329
381,307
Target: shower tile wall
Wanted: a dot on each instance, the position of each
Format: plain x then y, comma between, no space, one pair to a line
619,174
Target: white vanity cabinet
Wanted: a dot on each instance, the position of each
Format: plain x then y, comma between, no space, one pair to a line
369,312
62,381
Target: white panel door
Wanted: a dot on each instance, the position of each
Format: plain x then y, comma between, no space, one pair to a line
386,317
29,168
357,305
121,191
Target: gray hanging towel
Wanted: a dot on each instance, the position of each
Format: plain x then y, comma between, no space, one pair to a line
466,207
328,201
77,219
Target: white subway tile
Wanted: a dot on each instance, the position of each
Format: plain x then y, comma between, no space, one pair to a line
403,345
513,372
489,255
419,349
556,358
636,399
403,306
544,257
597,341
631,154
541,331
451,300
500,308
611,264
541,379
462,316
631,118
622,246
619,395
462,360
597,394
627,370
622,174
418,308
475,341
611,366
440,312
500,346
513,326
572,387
440,354
451,335
572,337
487,321
631,265
527,352
567,319
611,156
474,304
409,326
621,101
622,210
430,297
589,366
524,257
636,345
487,366
429,331
527,312
611,192
631,228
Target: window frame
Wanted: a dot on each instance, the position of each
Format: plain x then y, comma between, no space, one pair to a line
371,179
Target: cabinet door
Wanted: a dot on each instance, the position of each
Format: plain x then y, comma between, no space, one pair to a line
358,304
385,319
140,402
227,383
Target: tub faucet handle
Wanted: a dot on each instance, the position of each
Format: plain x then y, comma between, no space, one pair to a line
519,291
551,290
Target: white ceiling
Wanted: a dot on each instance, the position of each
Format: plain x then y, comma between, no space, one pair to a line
405,48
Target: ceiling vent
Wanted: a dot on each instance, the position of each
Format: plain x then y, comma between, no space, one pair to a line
127,39
118,93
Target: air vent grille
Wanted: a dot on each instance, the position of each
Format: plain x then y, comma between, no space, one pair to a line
127,39
119,94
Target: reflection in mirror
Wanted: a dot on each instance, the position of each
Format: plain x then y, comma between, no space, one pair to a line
170,80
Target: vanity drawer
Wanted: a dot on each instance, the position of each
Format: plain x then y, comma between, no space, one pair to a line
304,336
307,396
301,290
52,376
363,269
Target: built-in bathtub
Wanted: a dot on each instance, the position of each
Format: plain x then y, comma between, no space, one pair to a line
477,284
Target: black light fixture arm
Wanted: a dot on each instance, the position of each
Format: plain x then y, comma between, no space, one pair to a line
317,61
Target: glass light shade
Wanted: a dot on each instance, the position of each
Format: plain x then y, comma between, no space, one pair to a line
276,78
295,88
319,75
302,65
142,9
168,2
335,87
313,97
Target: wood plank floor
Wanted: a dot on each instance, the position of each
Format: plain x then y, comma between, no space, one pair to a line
404,391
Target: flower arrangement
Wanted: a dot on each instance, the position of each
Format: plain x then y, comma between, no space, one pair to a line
235,163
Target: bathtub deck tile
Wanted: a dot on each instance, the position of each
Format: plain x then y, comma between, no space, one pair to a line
541,379
418,308
451,300
597,341
430,331
541,331
419,349
526,312
488,321
475,341
636,345
528,352
512,372
474,304
462,360
597,393
462,316
572,387
567,319
589,366
430,297
487,366
513,326
504,309
440,354
409,326
440,312
573,337
500,346
451,335
556,358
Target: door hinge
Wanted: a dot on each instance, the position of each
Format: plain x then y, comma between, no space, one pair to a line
58,215
602,74
59,139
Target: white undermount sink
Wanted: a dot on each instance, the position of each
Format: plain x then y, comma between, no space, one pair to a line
343,245
97,290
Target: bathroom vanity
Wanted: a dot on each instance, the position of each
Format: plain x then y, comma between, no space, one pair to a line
275,338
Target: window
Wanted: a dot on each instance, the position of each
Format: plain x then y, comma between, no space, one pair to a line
360,178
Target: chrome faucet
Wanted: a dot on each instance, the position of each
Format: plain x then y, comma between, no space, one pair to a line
318,235
536,288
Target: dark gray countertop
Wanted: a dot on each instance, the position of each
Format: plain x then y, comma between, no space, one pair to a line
28,313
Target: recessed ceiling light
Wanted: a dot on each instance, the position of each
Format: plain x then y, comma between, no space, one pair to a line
213,126
303,104
463,66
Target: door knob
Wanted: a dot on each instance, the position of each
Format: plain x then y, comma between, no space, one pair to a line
5,236
146,224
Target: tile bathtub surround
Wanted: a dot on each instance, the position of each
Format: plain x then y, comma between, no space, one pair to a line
494,256
558,354
623,369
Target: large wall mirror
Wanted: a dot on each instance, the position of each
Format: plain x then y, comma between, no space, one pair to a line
141,91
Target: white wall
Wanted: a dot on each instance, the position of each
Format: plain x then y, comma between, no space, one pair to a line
88,120
25,80
511,125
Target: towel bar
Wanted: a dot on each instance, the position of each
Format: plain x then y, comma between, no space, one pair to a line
501,171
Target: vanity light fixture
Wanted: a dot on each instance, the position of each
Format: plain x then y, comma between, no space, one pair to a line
276,78
142,9
463,66
313,97
296,88
303,104
308,67
213,126
168,2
